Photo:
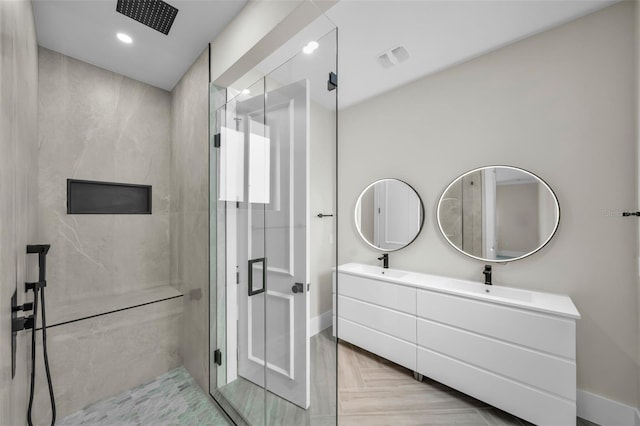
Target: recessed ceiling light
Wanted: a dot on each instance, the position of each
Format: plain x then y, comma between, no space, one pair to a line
310,47
246,91
124,38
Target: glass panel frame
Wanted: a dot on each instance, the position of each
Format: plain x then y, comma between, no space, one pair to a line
268,408
237,255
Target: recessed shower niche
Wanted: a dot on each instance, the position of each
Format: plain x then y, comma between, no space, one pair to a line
93,197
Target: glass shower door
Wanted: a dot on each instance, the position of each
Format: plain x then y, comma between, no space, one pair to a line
287,245
243,192
275,253
264,185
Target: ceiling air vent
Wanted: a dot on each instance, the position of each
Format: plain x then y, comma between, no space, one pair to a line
393,57
154,14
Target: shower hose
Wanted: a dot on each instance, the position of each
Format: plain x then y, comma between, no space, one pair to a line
44,351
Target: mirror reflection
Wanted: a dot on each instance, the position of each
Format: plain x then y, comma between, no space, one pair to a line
389,214
498,213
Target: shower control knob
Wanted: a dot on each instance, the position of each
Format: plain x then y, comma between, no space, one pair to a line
297,288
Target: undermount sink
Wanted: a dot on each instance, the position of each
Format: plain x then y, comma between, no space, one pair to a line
377,270
392,273
488,290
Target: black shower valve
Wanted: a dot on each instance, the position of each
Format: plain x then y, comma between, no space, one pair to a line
38,248
35,285
22,323
26,307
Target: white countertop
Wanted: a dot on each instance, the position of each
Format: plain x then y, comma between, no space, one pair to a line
556,304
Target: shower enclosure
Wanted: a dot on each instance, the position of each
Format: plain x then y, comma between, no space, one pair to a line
273,232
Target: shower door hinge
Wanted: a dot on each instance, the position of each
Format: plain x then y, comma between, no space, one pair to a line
217,357
216,140
332,83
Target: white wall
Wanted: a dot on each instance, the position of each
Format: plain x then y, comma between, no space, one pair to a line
560,104
322,200
518,230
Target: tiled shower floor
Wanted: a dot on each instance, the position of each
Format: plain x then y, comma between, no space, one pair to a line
171,399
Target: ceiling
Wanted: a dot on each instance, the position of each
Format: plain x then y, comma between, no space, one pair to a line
436,34
86,30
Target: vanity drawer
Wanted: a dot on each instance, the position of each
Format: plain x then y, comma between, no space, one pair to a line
381,344
531,404
388,295
545,372
385,320
537,331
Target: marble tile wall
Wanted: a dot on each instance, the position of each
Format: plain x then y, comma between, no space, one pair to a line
18,180
190,213
100,357
98,125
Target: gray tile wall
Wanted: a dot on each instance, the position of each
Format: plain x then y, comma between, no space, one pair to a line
190,213
98,125
18,180
100,357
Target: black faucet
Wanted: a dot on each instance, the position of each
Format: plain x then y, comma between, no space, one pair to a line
385,260
487,274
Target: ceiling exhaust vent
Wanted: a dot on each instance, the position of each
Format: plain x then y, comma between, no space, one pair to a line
154,14
393,57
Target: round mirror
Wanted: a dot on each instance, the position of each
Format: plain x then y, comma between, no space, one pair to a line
498,213
389,214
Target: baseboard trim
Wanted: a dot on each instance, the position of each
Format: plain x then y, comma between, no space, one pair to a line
319,323
604,411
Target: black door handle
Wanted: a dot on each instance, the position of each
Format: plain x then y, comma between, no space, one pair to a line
253,291
297,288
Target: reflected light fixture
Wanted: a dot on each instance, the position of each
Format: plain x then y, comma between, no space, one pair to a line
310,47
246,91
124,38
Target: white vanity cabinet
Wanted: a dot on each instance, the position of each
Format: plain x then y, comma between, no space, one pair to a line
378,316
512,348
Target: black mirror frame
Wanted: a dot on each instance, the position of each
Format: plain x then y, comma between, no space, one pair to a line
484,260
355,215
